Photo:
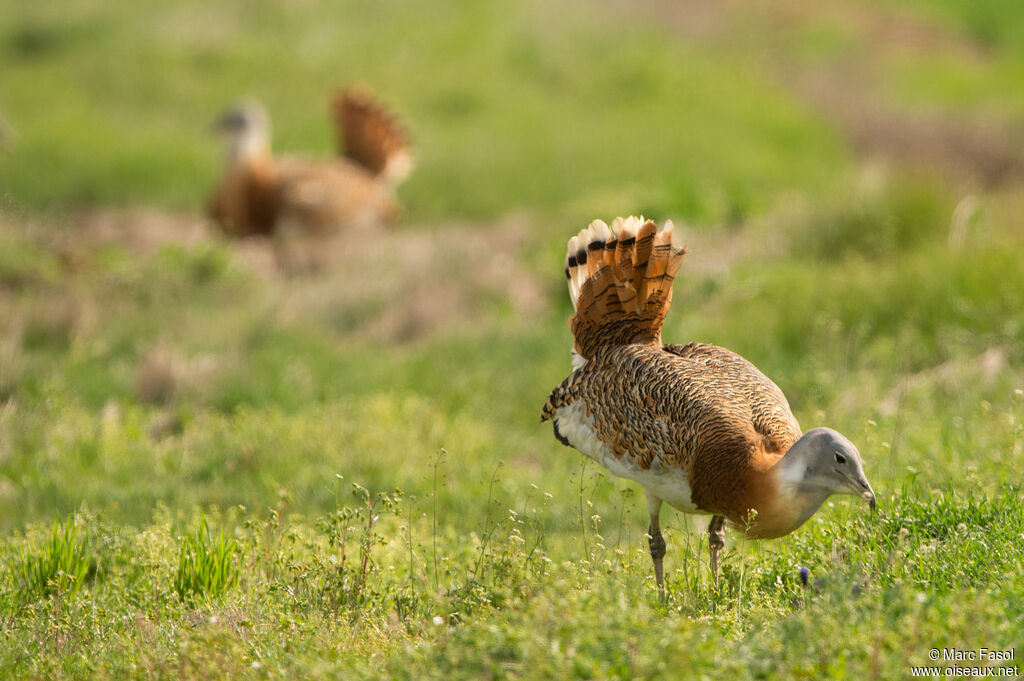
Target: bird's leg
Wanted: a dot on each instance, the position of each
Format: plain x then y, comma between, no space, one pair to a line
716,542
296,251
656,541
286,255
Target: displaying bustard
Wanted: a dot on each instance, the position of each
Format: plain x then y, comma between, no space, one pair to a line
291,198
698,426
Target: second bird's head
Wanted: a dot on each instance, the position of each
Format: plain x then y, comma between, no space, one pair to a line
246,127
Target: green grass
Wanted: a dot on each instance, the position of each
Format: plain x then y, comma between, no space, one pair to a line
207,472
59,566
393,597
533,564
206,565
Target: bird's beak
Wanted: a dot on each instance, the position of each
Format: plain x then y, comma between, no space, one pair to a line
229,120
862,488
868,494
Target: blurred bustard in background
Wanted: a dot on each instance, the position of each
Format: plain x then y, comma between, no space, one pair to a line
292,199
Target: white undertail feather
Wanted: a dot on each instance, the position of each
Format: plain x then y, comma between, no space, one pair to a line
578,360
572,272
399,166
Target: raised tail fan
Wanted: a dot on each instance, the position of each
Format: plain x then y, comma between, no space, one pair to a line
371,136
620,282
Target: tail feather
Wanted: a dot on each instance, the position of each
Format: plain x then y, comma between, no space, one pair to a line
371,136
572,268
644,245
620,282
623,268
655,280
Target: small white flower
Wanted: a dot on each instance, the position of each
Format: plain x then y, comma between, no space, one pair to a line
255,664
438,620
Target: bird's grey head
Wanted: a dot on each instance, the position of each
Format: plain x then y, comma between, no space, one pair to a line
824,461
247,129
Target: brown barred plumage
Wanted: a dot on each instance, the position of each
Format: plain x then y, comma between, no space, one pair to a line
697,425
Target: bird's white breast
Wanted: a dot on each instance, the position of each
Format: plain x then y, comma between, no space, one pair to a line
667,483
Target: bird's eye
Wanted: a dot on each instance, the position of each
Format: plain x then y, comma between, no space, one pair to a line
840,458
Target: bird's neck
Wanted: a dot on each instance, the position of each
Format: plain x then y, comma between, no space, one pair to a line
795,502
248,148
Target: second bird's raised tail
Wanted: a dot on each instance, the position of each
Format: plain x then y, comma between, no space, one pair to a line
371,136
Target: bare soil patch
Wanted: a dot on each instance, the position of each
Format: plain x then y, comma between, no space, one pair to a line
392,284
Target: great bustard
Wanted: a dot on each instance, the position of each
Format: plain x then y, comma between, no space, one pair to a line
288,198
698,426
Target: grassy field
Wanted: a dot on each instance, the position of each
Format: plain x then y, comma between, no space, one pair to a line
209,470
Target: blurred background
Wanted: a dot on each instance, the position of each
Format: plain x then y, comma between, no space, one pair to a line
847,175
848,180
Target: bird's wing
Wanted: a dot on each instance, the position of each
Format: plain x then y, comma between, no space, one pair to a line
769,411
333,194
